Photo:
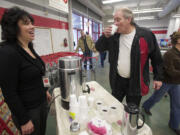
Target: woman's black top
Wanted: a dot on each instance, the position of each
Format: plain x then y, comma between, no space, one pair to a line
21,80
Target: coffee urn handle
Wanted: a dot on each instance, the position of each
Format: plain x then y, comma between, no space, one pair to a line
72,72
143,119
88,89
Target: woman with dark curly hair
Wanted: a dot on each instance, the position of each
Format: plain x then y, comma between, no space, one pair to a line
21,73
171,84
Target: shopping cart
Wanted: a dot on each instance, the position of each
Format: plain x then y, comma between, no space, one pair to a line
88,65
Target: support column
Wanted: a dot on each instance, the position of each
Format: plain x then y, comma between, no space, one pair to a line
71,46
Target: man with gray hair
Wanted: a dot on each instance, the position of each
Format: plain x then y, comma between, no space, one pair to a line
129,51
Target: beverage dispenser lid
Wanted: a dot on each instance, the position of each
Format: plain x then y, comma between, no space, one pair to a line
69,62
131,108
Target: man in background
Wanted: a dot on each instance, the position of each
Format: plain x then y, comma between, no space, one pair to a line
86,44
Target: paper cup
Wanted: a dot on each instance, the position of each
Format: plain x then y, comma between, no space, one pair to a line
82,101
114,29
90,101
73,99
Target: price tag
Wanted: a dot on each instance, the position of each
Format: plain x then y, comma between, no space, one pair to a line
46,82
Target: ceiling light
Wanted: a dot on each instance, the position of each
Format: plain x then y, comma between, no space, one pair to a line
176,16
137,18
111,1
110,21
147,10
144,18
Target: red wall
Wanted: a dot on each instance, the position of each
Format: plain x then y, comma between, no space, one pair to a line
44,22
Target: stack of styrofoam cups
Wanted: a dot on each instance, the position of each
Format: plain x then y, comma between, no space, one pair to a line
91,101
83,109
74,107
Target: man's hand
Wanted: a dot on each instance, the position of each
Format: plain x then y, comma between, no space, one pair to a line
27,128
157,85
107,31
48,95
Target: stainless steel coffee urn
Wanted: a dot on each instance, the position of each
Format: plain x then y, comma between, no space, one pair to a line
70,77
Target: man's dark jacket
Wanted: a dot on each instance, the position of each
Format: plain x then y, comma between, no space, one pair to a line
144,46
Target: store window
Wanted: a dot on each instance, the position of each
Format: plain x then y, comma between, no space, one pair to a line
95,37
77,21
86,24
94,29
100,29
90,27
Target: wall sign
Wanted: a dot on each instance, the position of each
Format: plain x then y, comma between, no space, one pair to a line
60,5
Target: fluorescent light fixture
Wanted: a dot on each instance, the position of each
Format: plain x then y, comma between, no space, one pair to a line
144,18
110,21
176,16
147,10
111,1
137,18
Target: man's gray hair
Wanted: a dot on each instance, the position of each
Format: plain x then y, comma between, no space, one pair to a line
127,13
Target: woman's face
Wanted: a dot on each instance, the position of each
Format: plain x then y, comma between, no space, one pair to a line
26,30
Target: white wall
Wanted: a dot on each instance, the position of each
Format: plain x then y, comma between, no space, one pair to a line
174,25
156,25
57,34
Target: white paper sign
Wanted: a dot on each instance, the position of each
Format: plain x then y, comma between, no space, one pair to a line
42,42
60,5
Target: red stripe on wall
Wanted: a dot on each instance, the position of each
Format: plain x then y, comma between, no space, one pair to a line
51,23
44,22
159,31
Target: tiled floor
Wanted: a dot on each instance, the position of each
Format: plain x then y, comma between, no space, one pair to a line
158,121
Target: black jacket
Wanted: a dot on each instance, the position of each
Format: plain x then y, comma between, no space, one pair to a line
144,46
21,80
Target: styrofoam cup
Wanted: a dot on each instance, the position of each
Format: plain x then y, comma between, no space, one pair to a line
114,29
82,101
90,101
72,100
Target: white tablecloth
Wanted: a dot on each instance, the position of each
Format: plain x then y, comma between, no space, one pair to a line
62,116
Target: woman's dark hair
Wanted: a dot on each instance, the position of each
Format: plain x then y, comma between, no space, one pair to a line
9,22
174,37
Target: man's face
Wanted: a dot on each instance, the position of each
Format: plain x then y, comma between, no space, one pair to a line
122,22
82,33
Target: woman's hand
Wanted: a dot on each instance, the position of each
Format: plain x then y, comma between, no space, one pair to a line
27,128
48,95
